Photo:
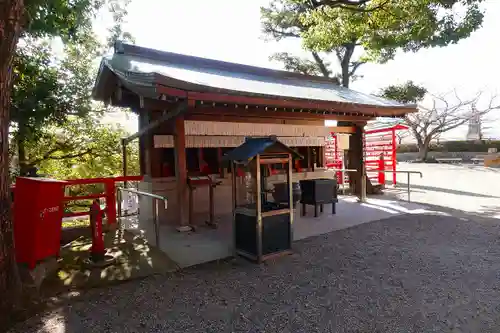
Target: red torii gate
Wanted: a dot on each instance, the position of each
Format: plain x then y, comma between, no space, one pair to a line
380,146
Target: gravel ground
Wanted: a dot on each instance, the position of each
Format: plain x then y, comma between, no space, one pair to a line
413,273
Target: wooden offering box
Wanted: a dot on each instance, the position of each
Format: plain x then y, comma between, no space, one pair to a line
317,192
276,231
262,229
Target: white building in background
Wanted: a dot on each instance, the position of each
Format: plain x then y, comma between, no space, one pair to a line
474,131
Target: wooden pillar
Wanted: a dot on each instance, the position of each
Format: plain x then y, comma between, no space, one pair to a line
148,144
356,161
156,161
142,144
309,159
181,173
322,156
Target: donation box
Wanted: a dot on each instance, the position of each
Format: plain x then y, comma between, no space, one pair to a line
38,213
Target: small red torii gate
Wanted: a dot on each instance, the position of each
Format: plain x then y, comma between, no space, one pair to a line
379,142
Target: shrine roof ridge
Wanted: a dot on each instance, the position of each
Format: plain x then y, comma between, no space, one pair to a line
145,71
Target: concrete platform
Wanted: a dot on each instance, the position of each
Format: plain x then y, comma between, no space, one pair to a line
206,244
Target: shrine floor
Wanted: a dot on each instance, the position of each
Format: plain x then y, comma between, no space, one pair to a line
207,244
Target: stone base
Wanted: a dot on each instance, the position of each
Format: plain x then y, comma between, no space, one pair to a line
37,275
184,228
110,227
106,261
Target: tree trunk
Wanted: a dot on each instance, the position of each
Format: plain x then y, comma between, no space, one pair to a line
344,64
21,150
423,151
11,12
321,64
423,143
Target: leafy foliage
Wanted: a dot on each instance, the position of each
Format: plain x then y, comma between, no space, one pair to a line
297,64
51,86
408,92
378,27
34,97
282,19
68,19
82,148
386,26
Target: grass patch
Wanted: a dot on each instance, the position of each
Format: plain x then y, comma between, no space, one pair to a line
76,223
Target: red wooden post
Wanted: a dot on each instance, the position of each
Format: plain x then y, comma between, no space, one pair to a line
394,147
338,165
381,167
97,250
110,189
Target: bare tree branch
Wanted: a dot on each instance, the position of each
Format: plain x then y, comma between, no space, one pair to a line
430,123
321,64
49,155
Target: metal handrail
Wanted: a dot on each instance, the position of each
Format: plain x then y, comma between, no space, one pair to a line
156,198
385,171
146,194
402,171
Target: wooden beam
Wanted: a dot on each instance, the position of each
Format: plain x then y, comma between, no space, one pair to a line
241,115
178,110
148,146
131,100
369,110
342,129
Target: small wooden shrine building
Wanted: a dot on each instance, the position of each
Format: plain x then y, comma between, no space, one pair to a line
193,110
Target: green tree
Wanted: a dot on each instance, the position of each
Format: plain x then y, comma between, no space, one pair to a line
82,148
282,19
377,28
408,93
72,22
47,89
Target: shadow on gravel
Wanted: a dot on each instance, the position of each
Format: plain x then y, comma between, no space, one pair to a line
444,190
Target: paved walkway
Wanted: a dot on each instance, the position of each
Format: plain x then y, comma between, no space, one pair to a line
469,188
206,244
411,273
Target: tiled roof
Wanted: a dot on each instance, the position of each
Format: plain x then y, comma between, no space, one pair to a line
137,68
255,146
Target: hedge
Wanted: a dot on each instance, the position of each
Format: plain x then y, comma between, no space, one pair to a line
454,146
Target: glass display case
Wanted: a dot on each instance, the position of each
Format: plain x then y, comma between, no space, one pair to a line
262,227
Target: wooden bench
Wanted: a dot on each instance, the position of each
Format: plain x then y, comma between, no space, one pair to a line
449,160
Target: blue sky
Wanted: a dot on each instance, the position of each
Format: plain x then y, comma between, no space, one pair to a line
230,30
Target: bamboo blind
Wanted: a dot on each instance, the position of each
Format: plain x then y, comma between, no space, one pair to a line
214,141
251,129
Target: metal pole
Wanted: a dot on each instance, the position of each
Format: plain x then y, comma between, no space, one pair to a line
119,203
124,160
258,208
155,220
408,186
235,203
289,179
343,176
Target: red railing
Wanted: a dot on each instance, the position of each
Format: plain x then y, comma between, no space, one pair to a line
109,194
379,150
